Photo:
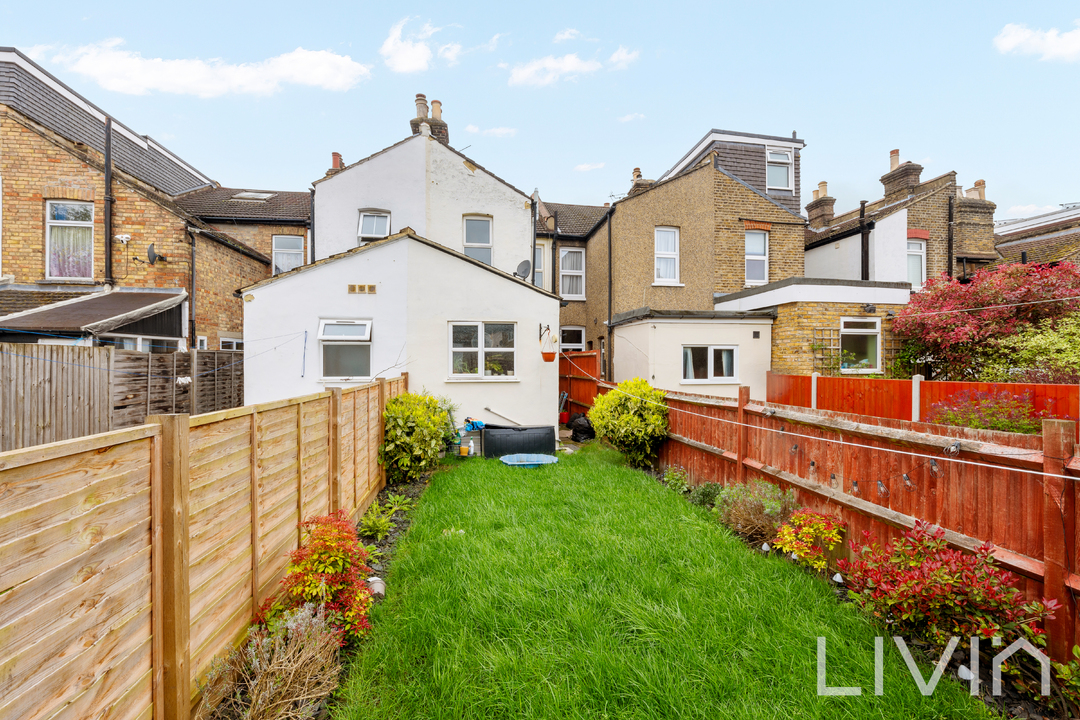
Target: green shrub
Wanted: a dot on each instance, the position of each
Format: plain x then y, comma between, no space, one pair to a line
633,418
415,427
677,478
376,522
755,510
1003,411
705,494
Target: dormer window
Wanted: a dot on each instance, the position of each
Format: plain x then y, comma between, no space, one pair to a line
373,226
778,174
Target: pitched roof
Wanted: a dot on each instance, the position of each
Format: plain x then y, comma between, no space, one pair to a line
825,234
98,313
14,300
1041,249
221,202
573,219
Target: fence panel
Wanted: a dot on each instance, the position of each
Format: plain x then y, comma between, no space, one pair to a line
578,376
788,389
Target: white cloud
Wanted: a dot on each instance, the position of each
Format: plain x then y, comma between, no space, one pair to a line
621,58
1049,44
472,129
501,132
586,167
491,44
129,72
1023,211
631,116
550,69
37,52
450,53
406,55
567,34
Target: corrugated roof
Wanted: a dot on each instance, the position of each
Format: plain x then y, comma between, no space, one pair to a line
99,313
219,202
14,301
573,219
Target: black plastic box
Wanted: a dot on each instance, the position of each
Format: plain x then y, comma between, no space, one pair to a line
499,440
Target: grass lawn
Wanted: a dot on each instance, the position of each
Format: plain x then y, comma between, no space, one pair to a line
588,590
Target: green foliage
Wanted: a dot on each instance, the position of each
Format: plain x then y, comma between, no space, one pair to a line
398,503
705,494
677,478
446,405
1004,411
376,522
807,535
415,433
633,418
755,510
1049,346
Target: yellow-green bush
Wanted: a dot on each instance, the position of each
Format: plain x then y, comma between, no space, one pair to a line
413,436
633,418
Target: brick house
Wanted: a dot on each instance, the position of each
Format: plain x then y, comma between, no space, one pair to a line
1046,238
65,237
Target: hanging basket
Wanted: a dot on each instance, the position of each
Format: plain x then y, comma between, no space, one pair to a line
547,346
548,356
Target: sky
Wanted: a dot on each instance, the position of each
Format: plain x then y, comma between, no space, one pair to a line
569,98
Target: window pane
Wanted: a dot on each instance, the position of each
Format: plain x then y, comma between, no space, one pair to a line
288,242
860,325
724,362
665,268
71,251
382,225
156,345
538,279
859,352
466,363
572,336
353,330
573,260
341,360
665,241
777,176
914,270
917,246
755,243
498,363
755,271
465,336
778,157
695,363
498,335
538,259
71,212
572,285
477,232
482,254
285,261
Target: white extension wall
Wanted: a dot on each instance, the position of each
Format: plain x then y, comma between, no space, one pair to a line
842,259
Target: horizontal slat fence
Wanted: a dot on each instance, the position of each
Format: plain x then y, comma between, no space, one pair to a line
130,559
992,488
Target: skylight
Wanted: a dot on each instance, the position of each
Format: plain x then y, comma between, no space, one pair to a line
252,196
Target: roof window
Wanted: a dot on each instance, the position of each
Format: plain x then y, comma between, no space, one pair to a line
249,196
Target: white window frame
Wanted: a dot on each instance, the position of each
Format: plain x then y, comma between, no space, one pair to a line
876,332
285,251
747,257
538,267
479,376
362,339
790,166
673,255
201,343
712,379
361,237
572,347
145,343
49,224
921,252
490,244
563,252
235,344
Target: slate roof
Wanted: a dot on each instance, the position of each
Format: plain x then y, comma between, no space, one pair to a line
573,219
823,235
97,314
1041,249
13,300
218,202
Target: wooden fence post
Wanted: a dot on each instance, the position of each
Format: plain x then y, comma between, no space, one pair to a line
193,389
404,382
916,398
813,390
740,451
1058,535
382,428
335,449
175,598
299,473
256,553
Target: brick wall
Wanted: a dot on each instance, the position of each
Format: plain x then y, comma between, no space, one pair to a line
220,272
793,332
261,237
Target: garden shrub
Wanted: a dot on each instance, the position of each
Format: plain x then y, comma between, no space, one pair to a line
705,494
633,418
1003,410
284,671
415,433
1048,351
807,535
755,510
677,478
377,522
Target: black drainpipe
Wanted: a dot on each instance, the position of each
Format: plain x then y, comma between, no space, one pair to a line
311,227
532,258
610,332
191,304
865,241
557,289
949,249
108,204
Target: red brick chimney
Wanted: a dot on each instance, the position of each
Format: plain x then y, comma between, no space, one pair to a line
336,163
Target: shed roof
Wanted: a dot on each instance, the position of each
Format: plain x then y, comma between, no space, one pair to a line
14,300
98,313
222,202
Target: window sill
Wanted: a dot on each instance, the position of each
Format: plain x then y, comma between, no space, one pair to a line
573,298
873,371
725,381
67,281
479,379
335,381
668,284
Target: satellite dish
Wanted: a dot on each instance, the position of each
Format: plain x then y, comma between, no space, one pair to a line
523,269
152,257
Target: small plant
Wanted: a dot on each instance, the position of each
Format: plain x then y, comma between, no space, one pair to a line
449,431
284,671
415,433
376,523
807,534
755,510
374,553
705,494
398,503
677,478
1003,410
633,418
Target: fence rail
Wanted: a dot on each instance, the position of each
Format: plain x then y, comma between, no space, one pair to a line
129,559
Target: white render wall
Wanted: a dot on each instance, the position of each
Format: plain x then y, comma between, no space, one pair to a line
839,260
816,293
842,259
652,349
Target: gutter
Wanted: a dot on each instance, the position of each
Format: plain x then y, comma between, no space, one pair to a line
254,220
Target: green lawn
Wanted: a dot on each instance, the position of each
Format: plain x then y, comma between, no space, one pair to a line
588,590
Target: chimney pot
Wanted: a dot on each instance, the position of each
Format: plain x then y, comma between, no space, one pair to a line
436,109
816,195
637,173
894,160
336,163
607,204
421,105
823,189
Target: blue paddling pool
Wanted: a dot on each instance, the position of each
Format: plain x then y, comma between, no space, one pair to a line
528,460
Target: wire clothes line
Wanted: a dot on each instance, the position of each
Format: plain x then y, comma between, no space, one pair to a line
120,340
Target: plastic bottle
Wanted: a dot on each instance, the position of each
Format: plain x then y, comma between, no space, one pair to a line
472,448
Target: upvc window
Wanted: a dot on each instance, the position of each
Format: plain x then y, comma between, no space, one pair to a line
710,363
538,267
69,240
346,349
778,169
572,273
916,263
482,350
201,343
142,343
571,338
757,257
233,344
666,244
373,226
860,345
478,239
288,252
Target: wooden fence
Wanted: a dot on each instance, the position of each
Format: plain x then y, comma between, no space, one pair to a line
578,374
50,393
129,559
881,475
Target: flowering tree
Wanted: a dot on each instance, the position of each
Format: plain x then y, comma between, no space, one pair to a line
944,331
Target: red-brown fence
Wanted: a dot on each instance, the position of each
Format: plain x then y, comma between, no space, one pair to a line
578,374
881,475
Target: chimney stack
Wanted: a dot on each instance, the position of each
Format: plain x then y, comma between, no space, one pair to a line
820,210
639,184
979,191
901,178
435,123
894,160
336,164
